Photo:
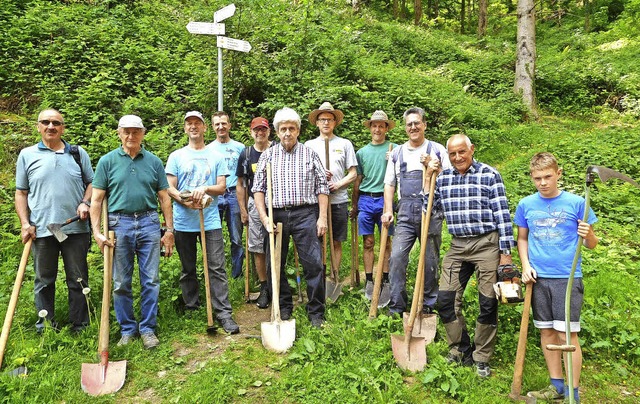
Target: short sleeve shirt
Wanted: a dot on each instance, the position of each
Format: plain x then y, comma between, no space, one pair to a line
341,158
231,152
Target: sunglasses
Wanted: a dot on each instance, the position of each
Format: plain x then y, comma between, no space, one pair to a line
47,122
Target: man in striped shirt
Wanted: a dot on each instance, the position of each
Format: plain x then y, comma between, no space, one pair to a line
300,199
475,205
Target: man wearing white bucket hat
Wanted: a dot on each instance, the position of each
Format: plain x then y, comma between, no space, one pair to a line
368,198
342,164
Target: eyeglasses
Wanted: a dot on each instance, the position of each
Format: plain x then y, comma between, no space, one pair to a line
325,120
412,124
47,122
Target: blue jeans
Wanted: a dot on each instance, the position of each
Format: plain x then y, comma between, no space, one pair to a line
406,232
137,235
230,213
46,251
187,247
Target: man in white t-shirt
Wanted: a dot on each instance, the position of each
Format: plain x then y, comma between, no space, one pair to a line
342,172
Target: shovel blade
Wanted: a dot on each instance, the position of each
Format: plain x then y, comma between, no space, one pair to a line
424,326
333,290
97,379
278,336
413,357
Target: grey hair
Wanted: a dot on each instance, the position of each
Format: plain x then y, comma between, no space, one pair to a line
466,139
286,115
415,110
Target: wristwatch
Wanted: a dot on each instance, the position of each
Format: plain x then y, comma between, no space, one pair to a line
505,252
86,203
169,229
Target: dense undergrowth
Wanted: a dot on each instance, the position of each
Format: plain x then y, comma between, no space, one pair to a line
98,60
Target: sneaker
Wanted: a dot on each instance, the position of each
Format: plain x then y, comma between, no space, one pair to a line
229,325
317,322
149,340
385,295
126,340
549,393
263,300
368,290
285,314
483,369
454,359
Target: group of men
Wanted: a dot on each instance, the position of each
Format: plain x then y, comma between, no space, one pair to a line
226,180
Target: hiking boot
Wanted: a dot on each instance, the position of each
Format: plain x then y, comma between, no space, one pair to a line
549,393
427,310
149,340
385,295
368,290
229,325
263,300
463,360
285,314
126,340
317,322
483,369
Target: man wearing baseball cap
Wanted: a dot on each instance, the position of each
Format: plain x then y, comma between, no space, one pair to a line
368,199
256,233
201,174
135,181
342,163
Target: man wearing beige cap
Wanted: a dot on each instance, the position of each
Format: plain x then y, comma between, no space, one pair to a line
202,173
342,171
135,181
256,233
368,199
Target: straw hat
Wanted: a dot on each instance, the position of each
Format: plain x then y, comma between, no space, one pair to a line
379,115
326,107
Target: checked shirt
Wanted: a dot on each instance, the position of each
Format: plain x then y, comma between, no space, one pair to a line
475,203
298,176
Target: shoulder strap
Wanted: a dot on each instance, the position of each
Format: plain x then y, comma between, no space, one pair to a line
75,152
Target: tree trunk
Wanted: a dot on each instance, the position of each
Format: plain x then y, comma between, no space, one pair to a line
417,9
482,17
526,55
462,15
395,9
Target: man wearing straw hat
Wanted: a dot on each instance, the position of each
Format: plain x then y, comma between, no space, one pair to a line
342,159
368,199
404,173
300,197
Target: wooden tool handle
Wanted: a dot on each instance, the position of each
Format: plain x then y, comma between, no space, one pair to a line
516,384
205,263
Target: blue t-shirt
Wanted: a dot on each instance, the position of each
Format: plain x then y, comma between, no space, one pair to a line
230,151
553,232
196,168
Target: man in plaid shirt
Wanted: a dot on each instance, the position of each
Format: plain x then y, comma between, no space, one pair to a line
475,206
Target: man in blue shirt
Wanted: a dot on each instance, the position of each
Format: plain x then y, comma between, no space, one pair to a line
50,188
475,206
228,202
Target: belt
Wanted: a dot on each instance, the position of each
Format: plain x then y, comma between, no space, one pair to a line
292,208
135,214
373,194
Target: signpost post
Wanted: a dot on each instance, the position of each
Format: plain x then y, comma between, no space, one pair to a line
215,28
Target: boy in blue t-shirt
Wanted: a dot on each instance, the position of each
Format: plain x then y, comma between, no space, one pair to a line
549,224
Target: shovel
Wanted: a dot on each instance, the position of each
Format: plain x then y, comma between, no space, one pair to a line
211,328
516,384
104,377
377,284
11,308
605,174
277,335
333,288
56,228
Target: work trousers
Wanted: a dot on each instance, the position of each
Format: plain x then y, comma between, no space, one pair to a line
46,251
481,255
300,224
187,247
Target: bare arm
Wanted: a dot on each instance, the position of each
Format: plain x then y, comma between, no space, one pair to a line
83,210
321,224
97,199
165,205
258,197
589,239
241,195
528,273
387,212
27,231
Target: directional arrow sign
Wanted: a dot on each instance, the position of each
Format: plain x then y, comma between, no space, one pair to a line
205,28
233,44
224,13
